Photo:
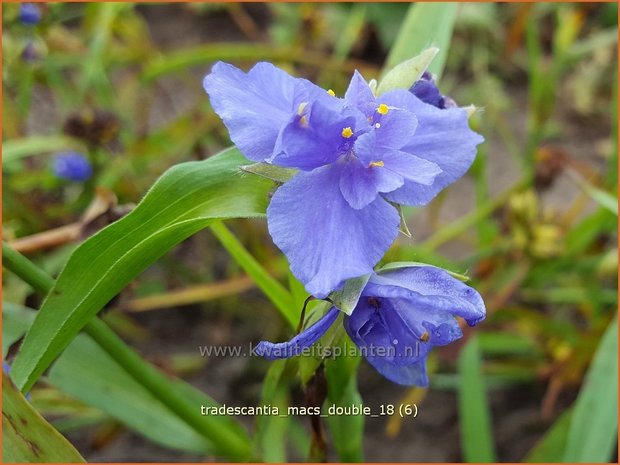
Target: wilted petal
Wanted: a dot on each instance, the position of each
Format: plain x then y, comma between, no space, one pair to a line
326,240
306,338
426,90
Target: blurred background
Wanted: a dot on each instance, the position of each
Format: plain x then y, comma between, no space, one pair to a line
100,99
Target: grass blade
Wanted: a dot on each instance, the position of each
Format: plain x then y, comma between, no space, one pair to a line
26,436
275,291
474,414
594,424
426,24
186,199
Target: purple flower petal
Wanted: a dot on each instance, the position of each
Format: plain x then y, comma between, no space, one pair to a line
314,137
403,313
432,290
410,167
360,96
362,178
274,351
396,354
256,105
426,90
408,375
326,240
396,128
444,138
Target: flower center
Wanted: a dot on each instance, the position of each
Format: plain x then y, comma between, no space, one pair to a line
383,109
347,132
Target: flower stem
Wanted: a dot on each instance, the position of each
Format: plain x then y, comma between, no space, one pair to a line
469,220
229,442
26,270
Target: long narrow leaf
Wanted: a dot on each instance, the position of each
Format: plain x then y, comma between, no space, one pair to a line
276,292
187,198
26,436
594,424
88,373
426,24
474,414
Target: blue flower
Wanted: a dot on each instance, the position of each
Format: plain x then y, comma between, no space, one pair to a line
401,315
334,219
29,14
72,166
426,90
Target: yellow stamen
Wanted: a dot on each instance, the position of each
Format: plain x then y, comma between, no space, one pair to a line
376,163
301,107
347,132
425,337
383,109
331,92
303,121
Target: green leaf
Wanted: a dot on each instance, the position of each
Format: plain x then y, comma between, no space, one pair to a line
474,414
86,372
593,429
347,430
426,24
271,430
604,199
272,172
26,436
347,298
187,198
277,293
19,148
403,75
15,322
550,449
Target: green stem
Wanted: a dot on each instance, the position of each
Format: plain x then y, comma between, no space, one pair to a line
228,442
26,270
465,222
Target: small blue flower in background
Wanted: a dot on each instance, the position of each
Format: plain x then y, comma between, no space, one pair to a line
72,166
29,14
401,315
334,220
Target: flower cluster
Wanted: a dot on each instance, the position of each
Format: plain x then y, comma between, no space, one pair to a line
357,157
